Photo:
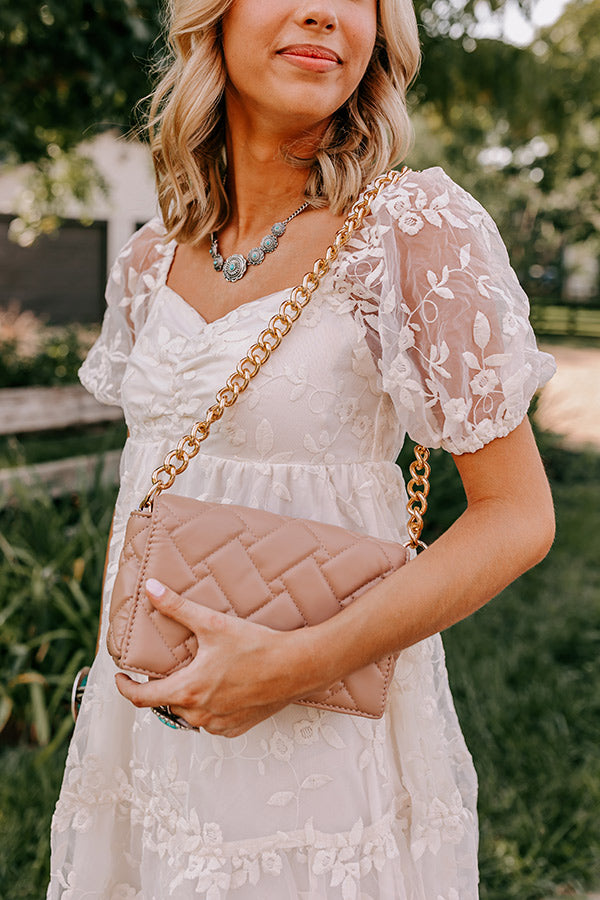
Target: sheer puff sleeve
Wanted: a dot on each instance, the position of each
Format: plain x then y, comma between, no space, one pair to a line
128,294
458,354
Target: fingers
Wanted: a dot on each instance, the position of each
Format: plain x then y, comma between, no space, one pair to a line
174,691
205,692
228,725
192,615
152,693
179,687
184,687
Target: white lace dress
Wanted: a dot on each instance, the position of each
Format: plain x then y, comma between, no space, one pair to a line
421,327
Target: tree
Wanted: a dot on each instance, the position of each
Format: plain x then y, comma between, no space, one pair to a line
520,129
70,70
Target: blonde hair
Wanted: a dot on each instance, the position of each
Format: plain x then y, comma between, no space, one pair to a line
367,135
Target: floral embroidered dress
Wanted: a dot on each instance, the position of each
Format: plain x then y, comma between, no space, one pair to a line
420,327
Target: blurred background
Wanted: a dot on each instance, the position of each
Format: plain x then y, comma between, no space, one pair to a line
508,102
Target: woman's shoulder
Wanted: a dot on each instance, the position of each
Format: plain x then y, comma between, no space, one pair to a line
429,197
433,194
141,259
145,246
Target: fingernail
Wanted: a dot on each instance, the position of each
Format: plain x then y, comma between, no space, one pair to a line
154,587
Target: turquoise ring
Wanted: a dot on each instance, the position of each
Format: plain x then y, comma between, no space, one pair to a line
165,715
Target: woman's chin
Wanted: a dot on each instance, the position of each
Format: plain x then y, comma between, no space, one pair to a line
307,112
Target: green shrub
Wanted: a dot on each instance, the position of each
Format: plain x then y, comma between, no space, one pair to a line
28,791
51,563
56,361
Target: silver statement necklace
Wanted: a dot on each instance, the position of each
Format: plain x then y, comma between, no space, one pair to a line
235,266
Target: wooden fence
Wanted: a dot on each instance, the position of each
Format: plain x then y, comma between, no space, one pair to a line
42,409
567,319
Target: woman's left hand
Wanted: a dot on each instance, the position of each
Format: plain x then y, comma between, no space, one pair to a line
241,674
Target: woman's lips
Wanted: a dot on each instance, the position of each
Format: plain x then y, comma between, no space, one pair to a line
310,57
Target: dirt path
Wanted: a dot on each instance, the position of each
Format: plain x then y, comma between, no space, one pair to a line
570,402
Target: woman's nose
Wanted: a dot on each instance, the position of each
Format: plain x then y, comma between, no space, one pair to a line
318,16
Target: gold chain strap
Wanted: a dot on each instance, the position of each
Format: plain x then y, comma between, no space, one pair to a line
420,471
177,460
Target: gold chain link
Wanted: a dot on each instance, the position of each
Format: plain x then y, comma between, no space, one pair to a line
177,461
417,490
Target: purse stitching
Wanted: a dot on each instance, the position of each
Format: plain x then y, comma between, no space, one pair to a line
205,561
267,584
357,710
208,565
307,524
134,597
256,569
125,545
318,540
337,706
137,602
349,692
151,540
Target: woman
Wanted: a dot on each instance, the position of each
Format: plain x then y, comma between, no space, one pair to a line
420,327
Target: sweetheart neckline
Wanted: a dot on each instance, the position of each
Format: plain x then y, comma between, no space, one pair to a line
226,315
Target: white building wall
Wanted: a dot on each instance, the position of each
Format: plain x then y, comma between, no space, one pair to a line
126,166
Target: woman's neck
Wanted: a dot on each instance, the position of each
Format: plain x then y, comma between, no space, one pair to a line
262,187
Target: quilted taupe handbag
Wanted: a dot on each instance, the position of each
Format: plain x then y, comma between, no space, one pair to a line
280,571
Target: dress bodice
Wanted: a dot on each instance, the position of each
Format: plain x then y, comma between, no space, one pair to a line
420,326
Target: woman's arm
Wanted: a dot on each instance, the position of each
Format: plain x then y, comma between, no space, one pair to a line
507,528
244,672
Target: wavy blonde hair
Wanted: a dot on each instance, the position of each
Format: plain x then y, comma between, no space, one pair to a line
367,135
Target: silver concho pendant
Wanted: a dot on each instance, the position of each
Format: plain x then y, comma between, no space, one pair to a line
234,267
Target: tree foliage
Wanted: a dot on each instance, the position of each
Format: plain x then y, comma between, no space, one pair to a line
70,70
520,129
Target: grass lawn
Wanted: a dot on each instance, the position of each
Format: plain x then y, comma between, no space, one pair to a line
28,791
524,672
525,677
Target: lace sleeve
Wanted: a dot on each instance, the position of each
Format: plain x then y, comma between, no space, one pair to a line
458,354
127,294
